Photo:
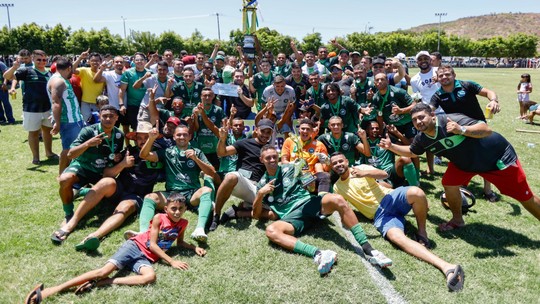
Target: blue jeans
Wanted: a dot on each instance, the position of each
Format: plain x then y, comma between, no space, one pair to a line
5,108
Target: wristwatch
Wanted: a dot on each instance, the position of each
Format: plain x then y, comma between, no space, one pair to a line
463,130
379,113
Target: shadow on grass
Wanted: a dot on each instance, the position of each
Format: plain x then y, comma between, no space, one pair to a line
490,241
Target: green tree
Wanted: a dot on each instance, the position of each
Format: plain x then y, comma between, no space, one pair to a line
311,42
56,39
170,40
144,41
29,36
522,45
8,43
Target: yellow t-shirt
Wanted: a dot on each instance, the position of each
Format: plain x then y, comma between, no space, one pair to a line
90,89
364,193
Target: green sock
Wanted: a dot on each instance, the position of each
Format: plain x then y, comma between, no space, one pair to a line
410,174
83,191
209,182
148,210
205,207
305,249
359,234
68,208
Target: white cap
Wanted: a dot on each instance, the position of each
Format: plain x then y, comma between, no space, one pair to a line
400,56
422,53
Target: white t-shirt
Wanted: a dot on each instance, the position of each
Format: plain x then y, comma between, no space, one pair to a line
321,69
112,81
282,100
423,83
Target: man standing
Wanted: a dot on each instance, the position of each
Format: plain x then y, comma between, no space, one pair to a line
159,83
90,89
337,105
295,210
189,90
347,143
473,149
281,96
244,102
424,83
260,81
6,111
456,96
129,97
36,103
388,208
68,120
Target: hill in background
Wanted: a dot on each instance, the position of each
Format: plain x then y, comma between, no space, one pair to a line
487,26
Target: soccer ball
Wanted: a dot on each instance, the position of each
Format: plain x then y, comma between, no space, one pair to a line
467,200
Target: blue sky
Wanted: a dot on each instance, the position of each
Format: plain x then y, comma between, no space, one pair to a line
294,18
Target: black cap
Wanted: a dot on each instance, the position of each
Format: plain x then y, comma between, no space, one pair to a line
265,124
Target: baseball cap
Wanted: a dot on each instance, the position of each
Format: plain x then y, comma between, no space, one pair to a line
355,53
337,66
400,56
220,57
221,53
343,51
174,120
142,127
378,60
265,124
422,53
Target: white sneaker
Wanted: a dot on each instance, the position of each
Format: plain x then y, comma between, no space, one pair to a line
199,235
379,259
325,260
128,234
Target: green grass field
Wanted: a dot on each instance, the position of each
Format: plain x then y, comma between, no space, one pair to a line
499,249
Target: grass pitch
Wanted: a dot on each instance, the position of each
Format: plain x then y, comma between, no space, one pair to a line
499,249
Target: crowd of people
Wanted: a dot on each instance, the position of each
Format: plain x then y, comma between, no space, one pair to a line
293,138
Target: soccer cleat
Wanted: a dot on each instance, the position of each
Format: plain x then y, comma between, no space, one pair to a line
215,223
128,234
379,259
199,235
325,260
229,214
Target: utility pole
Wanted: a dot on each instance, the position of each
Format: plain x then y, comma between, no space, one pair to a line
218,30
7,6
124,20
440,15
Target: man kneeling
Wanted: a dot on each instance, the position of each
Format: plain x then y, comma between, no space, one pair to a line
281,189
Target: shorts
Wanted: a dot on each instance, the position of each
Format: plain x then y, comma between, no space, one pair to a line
245,189
510,181
304,215
121,195
392,210
34,121
87,109
213,159
408,130
523,97
393,178
122,120
186,193
85,176
534,107
69,132
129,255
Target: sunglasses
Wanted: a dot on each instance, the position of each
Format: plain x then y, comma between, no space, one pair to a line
41,60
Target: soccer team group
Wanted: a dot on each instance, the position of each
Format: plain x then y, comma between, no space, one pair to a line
352,133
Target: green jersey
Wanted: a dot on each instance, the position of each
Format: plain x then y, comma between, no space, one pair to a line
260,82
362,88
380,158
346,144
97,158
71,112
288,192
346,108
284,70
316,94
181,173
393,96
206,139
129,77
228,163
190,95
